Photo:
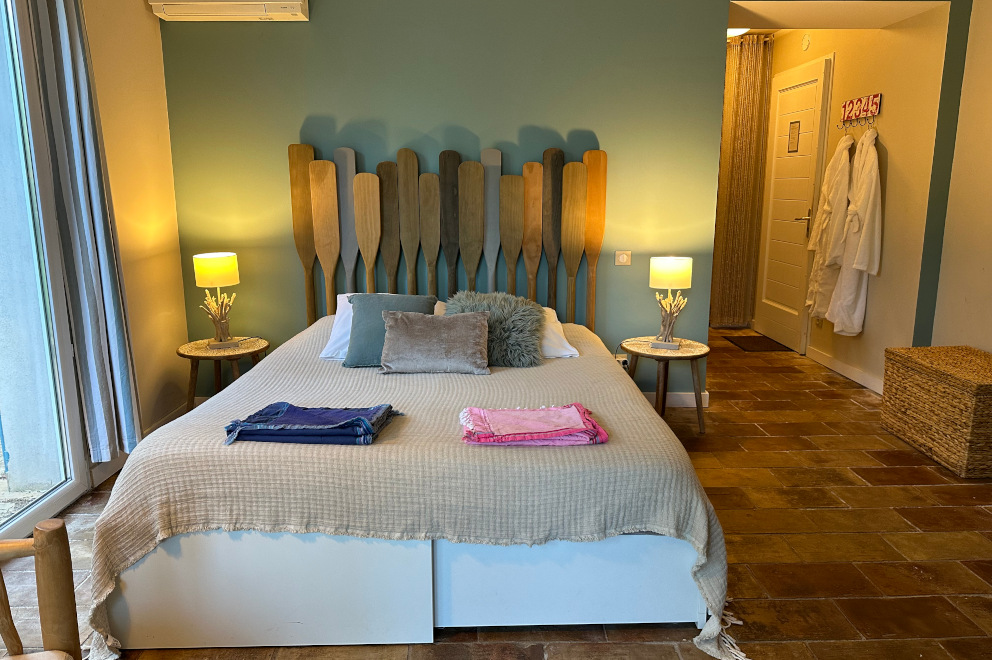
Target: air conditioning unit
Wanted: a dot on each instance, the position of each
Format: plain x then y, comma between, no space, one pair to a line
230,10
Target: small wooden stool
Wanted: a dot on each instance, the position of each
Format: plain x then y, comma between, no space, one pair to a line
690,350
194,351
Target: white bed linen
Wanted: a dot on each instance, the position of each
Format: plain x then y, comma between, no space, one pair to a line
418,480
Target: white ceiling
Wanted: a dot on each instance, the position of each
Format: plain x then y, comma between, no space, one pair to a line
824,14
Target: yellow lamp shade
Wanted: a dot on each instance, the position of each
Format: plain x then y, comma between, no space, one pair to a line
671,272
216,269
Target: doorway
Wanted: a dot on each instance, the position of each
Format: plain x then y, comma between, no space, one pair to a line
823,54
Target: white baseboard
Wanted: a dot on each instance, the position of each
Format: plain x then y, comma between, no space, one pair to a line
103,471
680,399
165,419
873,383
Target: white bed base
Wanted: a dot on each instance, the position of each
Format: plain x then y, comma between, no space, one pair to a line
227,589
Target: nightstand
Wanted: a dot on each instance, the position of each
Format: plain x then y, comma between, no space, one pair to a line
194,351
690,350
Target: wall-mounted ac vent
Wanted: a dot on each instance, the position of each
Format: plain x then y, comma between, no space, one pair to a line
230,10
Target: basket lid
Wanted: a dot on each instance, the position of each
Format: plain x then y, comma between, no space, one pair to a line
969,365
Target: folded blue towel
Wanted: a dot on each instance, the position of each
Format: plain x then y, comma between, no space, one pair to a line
284,422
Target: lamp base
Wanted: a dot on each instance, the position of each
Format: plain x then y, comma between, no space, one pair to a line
221,345
666,345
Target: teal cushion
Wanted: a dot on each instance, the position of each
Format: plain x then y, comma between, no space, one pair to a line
368,330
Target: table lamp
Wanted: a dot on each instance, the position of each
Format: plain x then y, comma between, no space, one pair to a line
670,273
217,269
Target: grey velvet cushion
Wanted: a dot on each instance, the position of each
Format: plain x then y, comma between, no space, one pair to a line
424,343
368,331
515,326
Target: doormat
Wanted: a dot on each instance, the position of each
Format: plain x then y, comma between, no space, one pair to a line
756,343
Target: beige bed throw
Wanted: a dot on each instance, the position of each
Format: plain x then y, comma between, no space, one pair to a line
418,480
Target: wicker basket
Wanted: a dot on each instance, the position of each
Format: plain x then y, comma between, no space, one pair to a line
939,399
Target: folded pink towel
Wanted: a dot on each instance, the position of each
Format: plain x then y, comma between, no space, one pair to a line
556,425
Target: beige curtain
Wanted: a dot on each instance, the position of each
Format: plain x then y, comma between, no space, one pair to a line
742,172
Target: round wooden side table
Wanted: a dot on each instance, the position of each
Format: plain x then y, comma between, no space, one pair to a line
194,351
690,350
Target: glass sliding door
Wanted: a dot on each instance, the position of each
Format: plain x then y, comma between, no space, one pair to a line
42,468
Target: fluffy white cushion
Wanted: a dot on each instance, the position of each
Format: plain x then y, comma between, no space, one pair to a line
553,342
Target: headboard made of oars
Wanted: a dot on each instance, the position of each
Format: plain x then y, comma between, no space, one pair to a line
467,210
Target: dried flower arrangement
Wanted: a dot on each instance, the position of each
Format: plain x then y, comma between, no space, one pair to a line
218,309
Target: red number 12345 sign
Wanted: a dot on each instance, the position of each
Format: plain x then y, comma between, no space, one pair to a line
866,106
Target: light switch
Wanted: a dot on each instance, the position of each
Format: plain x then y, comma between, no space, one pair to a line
621,258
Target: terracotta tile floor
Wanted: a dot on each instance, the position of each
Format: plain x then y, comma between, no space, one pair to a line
844,543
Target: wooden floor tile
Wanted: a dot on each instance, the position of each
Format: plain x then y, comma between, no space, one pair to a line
741,583
817,477
650,632
786,620
975,648
391,652
775,443
778,651
924,578
608,652
757,459
732,497
737,477
837,458
918,649
922,546
498,651
834,580
897,458
797,428
858,520
842,547
925,617
764,521
976,495
900,476
982,569
792,498
842,442
882,496
757,548
977,608
948,519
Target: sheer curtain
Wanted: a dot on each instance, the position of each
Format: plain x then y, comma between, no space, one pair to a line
742,171
86,226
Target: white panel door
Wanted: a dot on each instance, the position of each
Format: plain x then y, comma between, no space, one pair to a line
793,172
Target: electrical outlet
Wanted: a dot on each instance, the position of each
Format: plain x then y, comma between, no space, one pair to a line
621,258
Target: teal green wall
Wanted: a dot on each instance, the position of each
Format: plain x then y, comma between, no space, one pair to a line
641,79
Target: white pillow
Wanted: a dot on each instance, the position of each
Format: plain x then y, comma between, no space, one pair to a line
337,345
553,342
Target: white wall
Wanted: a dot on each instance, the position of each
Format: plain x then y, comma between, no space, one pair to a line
904,62
964,297
126,52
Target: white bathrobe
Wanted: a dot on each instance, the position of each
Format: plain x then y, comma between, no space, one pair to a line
826,239
862,241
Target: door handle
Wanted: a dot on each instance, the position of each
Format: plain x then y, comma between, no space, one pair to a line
806,219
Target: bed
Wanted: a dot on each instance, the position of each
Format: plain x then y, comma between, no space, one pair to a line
259,544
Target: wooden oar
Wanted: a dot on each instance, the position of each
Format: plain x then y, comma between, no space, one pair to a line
300,157
595,161
430,226
554,162
573,228
448,182
389,245
492,161
471,228
407,171
533,219
511,225
368,223
344,161
326,233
